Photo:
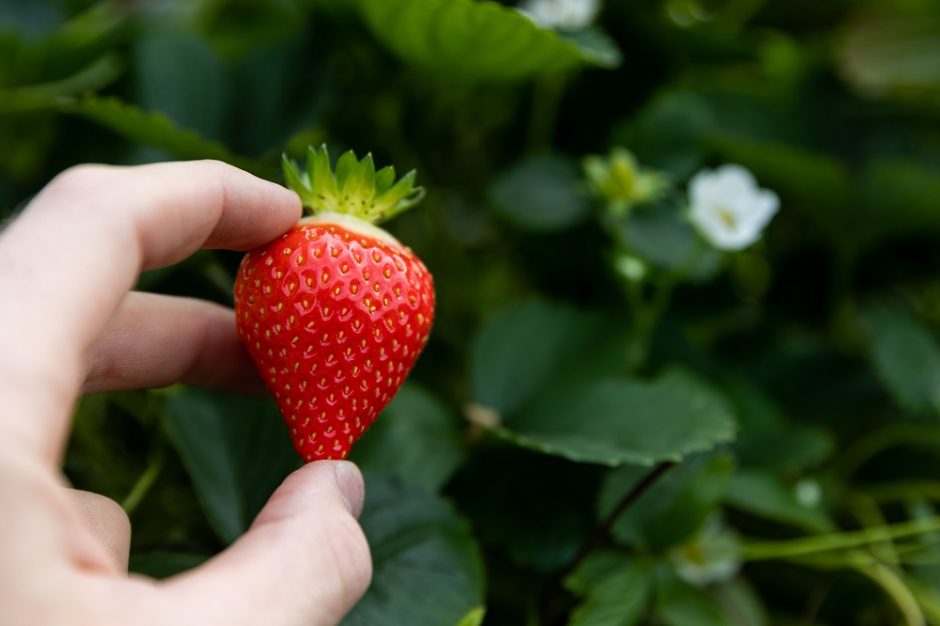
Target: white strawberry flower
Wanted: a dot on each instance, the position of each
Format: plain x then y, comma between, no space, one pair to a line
728,208
561,14
712,555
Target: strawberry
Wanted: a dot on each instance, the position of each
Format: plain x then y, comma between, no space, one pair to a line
336,311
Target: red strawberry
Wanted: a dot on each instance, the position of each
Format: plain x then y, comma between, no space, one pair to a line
336,311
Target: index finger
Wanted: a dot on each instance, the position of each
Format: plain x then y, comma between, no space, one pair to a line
78,247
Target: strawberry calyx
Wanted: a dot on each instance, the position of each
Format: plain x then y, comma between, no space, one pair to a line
354,189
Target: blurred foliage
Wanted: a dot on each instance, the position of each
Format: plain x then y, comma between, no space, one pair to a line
585,331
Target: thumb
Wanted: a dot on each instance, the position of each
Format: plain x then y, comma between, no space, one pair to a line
305,559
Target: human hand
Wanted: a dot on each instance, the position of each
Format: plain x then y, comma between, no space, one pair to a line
68,325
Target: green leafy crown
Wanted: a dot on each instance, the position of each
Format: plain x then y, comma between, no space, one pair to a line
355,188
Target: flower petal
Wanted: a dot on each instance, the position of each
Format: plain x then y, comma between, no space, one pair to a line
702,187
728,207
764,205
736,180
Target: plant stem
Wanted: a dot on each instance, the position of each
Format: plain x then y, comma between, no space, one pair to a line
869,515
546,100
878,441
894,587
649,311
597,537
144,482
646,319
805,546
600,533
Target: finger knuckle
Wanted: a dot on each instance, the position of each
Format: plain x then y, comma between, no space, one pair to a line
82,178
216,167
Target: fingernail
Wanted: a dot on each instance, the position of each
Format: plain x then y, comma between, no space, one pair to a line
351,487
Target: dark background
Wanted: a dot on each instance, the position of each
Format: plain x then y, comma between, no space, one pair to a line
817,346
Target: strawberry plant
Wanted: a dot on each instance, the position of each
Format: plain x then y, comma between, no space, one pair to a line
679,360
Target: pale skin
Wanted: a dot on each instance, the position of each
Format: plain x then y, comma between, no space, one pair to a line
69,325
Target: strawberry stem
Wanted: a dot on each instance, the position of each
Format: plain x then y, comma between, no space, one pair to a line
354,188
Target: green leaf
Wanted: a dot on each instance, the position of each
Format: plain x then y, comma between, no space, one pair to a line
660,234
30,19
542,193
426,567
674,508
669,134
769,441
40,97
37,54
820,184
523,349
618,598
785,447
416,439
897,198
767,496
680,604
180,76
240,28
156,130
473,618
476,41
537,508
597,566
595,46
906,356
614,421
236,450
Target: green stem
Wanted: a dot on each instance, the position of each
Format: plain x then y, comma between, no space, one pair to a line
546,100
597,538
890,580
870,446
145,481
926,598
922,553
804,546
629,499
866,510
647,314
891,583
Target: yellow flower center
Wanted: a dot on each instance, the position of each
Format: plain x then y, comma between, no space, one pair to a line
727,218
